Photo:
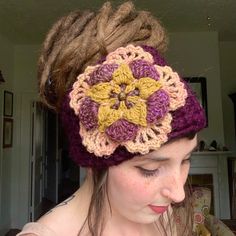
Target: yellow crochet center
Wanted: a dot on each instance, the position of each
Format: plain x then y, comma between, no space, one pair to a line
101,93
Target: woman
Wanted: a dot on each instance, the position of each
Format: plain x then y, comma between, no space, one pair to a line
130,119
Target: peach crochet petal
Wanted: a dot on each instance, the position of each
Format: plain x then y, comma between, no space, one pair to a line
79,89
97,142
150,138
128,54
171,83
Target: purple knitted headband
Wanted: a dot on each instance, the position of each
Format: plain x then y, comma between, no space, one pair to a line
127,105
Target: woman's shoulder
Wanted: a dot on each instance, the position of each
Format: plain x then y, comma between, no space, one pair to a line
36,229
66,218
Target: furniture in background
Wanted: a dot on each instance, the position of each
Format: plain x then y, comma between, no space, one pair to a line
206,224
210,170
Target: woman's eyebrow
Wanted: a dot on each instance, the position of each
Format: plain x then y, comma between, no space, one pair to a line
159,159
154,158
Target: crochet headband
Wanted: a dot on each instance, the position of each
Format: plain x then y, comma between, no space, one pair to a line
127,105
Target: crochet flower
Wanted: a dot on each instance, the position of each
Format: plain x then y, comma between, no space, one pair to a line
126,101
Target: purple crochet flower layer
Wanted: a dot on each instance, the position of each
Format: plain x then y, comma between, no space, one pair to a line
122,130
102,74
157,106
141,69
88,114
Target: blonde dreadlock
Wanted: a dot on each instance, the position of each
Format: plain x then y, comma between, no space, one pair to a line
82,38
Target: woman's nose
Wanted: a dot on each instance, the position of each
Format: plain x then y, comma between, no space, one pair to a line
174,189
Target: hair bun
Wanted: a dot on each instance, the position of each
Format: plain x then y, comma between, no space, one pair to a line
82,38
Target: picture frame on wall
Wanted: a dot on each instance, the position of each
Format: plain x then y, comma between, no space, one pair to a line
7,132
8,104
199,86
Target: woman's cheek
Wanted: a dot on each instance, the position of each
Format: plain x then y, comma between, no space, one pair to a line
138,187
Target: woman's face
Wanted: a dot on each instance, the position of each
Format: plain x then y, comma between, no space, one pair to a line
142,188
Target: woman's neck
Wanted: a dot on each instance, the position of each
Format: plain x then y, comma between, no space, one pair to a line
120,226
84,193
116,224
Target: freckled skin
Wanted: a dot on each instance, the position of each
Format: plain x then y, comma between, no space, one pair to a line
130,192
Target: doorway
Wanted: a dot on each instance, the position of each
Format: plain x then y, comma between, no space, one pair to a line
54,176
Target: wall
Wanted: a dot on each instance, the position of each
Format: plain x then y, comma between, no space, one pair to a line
228,86
25,64
18,65
25,84
197,54
7,68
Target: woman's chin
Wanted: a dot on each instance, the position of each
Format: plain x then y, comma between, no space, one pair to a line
149,219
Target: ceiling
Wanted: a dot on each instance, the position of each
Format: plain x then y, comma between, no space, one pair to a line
27,21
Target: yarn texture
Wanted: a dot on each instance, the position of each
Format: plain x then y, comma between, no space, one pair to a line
129,104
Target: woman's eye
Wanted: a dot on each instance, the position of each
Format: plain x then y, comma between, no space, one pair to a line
147,173
187,161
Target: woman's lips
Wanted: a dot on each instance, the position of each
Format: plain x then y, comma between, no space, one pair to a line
159,209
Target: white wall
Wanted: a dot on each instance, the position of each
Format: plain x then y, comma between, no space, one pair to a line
25,84
197,54
25,64
7,68
228,86
18,64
